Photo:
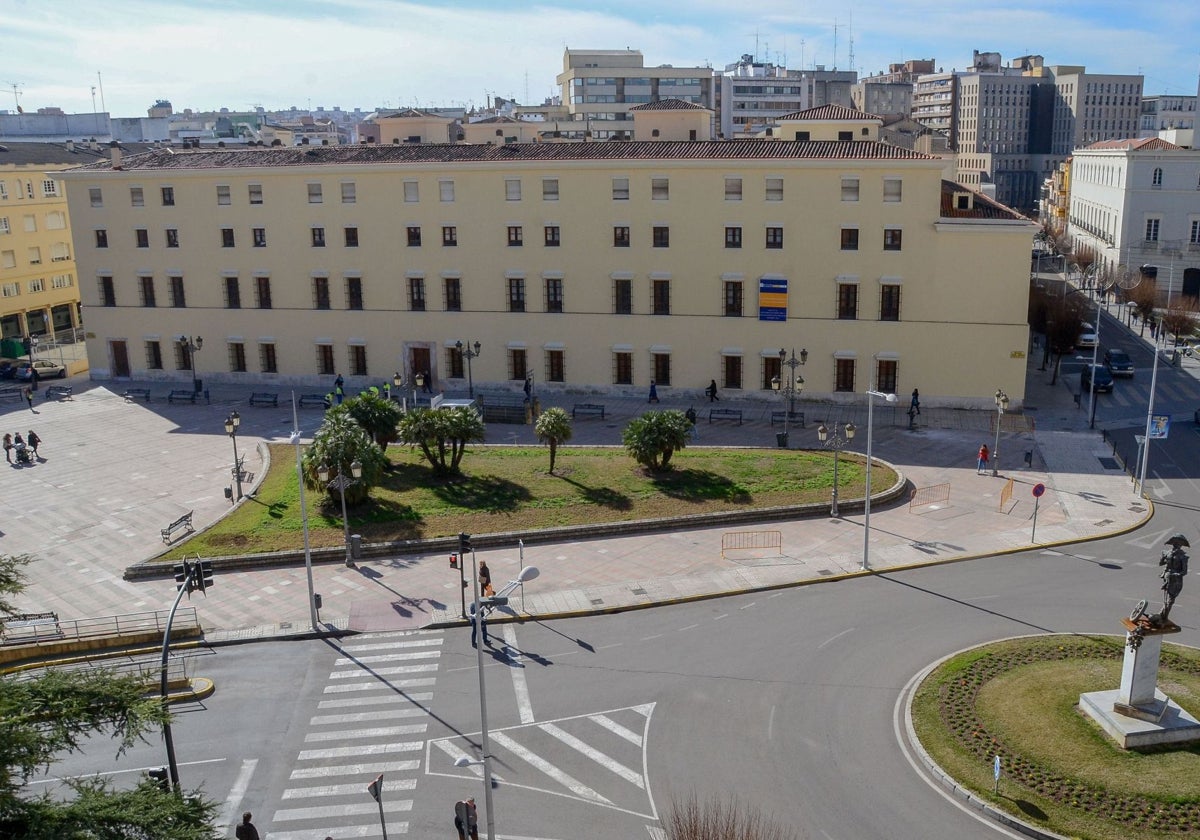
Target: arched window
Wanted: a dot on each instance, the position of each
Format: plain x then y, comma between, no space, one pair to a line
1157,179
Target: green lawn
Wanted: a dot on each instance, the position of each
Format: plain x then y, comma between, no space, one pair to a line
505,489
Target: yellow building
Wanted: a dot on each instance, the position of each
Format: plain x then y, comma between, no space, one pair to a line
39,293
596,267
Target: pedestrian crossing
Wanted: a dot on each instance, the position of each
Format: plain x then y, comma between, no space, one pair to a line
371,719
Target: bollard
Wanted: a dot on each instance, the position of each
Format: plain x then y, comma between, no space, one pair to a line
356,546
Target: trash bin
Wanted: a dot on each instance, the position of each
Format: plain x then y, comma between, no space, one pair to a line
197,385
782,439
356,546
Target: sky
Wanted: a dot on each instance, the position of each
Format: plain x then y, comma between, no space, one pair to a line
453,53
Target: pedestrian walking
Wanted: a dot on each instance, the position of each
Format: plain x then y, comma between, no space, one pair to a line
711,391
33,377
473,610
8,445
485,579
28,392
246,831
653,392
466,819
339,391
982,465
690,414
33,440
915,406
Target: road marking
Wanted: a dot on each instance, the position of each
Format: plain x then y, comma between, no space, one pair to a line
689,627
390,697
835,637
364,749
359,673
376,685
388,657
236,793
520,686
719,617
455,753
425,642
346,833
771,724
748,606
648,638
574,785
378,732
355,769
594,754
52,779
364,717
346,790
342,811
617,729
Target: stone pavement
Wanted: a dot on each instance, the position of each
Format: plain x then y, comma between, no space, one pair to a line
114,472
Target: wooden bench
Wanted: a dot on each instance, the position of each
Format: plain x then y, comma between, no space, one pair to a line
182,522
312,399
264,398
587,408
725,414
793,417
133,393
183,394
20,627
61,392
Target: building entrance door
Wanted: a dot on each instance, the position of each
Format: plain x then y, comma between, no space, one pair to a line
419,362
120,358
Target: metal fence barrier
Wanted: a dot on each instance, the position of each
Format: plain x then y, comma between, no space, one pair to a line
61,630
1006,494
929,495
751,541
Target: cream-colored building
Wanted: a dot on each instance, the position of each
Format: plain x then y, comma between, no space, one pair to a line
39,292
596,267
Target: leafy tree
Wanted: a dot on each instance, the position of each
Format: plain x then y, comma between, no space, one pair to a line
337,444
655,436
442,434
377,415
55,712
1180,318
1144,298
554,427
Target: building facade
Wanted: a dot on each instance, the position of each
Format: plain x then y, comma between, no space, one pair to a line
595,267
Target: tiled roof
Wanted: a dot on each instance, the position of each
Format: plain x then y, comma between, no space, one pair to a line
409,113
499,118
402,153
982,206
830,112
1135,144
669,105
33,154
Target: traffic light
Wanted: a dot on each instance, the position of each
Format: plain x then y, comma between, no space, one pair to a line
183,575
495,601
464,544
160,776
205,577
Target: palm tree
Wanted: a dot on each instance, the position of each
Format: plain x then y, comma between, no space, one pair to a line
337,444
554,427
442,434
377,415
655,436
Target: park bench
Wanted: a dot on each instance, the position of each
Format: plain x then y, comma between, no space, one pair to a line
312,399
587,408
725,414
264,398
183,394
239,468
10,393
502,408
183,522
792,417
61,392
133,393
23,626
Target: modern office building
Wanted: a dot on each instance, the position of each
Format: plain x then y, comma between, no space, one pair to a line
597,267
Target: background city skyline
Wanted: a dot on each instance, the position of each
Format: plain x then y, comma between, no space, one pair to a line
240,54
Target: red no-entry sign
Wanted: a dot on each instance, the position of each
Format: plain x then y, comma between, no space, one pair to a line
1038,490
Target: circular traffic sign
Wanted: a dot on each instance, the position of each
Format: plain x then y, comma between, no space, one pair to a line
1039,489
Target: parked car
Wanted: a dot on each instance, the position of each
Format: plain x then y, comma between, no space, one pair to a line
8,368
1118,362
1097,373
46,370
1087,336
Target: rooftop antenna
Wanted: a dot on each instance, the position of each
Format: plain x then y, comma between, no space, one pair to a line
851,42
100,81
835,40
16,94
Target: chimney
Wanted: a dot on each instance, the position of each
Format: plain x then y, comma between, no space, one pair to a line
114,149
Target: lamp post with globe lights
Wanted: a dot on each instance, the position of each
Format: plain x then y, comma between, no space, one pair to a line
467,353
837,441
341,482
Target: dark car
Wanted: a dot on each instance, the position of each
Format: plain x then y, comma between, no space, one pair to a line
1103,379
1118,362
8,368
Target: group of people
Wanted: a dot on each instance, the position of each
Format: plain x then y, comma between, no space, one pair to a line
26,449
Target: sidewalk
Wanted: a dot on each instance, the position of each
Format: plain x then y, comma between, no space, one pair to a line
116,472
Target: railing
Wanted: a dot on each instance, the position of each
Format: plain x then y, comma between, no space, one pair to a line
1006,494
148,669
751,541
929,495
115,625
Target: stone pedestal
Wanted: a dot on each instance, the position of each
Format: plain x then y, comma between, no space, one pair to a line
1139,671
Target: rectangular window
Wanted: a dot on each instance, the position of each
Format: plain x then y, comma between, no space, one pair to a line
662,237
1152,230
101,238
3,191
226,237
178,299
802,136
183,356
849,239
266,358
622,297
34,255
660,292
452,288
1194,234
445,191
321,293
49,188
358,360
622,364
416,294
61,281
348,193
556,366
223,196
31,224
844,375
620,237
845,136
554,294
95,196
14,289
885,375
775,238
108,294
260,237
516,294
262,292
516,236
142,237
314,194
56,221
237,357
891,239
172,238
733,189
660,189
8,259
449,237
892,189
733,299
889,302
153,355
146,285
454,358
411,193
518,366
137,197
662,368
512,189
414,236
256,197
549,189
847,301
620,189
552,240
849,189
325,359
354,293
318,237
4,228
774,189
168,196
733,237
233,293
351,237
731,370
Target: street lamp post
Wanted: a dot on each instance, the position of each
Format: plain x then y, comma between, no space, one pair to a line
1001,400
871,394
295,441
191,346
341,482
794,385
231,428
835,442
469,354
